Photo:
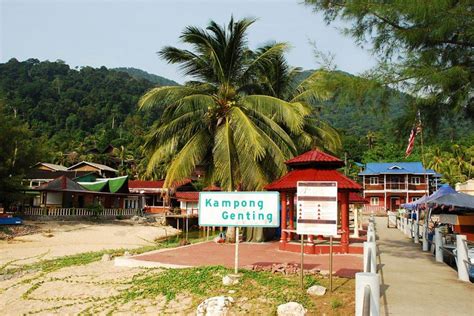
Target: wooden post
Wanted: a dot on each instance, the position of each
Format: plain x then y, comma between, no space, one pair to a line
291,197
283,217
345,221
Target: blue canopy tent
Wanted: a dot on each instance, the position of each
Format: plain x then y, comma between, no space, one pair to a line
457,200
442,191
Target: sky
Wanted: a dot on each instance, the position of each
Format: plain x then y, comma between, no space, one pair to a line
129,33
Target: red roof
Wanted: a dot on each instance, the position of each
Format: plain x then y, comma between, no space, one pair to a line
141,184
212,187
187,196
356,198
288,181
317,157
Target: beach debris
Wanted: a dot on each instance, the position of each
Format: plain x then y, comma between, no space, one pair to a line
215,306
283,268
291,309
230,279
106,257
316,290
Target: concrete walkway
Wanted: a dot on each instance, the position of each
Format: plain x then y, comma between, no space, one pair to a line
413,283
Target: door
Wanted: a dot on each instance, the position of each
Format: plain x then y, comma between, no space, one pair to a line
394,203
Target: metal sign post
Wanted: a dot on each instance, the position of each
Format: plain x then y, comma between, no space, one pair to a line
302,262
317,214
236,267
330,264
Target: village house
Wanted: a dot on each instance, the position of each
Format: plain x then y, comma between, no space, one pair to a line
388,185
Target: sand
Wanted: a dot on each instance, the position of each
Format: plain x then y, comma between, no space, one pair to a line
66,238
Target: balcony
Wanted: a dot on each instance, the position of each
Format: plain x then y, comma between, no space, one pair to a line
395,186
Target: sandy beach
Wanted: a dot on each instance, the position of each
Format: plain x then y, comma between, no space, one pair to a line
56,239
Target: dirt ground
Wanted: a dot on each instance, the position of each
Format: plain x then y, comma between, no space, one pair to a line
56,239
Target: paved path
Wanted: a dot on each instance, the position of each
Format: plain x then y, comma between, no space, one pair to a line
413,283
261,254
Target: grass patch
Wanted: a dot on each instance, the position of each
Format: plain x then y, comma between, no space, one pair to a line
204,282
336,303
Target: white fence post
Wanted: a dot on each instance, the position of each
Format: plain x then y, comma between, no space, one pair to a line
462,258
372,281
370,254
425,236
439,244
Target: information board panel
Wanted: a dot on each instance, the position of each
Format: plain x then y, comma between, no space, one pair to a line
316,208
244,209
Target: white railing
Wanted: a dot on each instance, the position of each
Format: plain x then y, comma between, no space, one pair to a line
38,211
368,282
459,250
374,209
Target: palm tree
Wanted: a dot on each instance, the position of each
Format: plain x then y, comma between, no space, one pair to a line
280,80
218,120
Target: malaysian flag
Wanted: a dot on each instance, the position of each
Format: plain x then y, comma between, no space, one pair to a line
411,140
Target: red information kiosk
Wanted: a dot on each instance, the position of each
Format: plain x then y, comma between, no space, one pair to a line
314,165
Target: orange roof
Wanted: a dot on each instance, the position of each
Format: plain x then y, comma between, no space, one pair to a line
315,157
142,184
187,196
212,187
356,198
288,181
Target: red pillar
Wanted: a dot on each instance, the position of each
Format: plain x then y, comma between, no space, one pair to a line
283,217
345,221
291,197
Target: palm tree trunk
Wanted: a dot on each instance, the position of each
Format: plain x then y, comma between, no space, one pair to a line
230,234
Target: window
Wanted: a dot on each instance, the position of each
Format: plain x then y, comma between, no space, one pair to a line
374,200
415,180
374,180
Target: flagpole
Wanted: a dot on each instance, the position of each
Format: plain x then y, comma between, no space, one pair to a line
423,154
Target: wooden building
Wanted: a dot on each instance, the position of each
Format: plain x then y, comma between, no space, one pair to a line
388,185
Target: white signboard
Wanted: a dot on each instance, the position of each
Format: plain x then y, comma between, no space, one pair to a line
317,208
244,209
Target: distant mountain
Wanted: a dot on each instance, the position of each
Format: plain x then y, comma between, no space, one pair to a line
141,74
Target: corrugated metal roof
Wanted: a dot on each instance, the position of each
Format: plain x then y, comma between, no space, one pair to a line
315,156
93,164
52,166
289,180
187,196
356,198
374,168
61,184
145,184
212,187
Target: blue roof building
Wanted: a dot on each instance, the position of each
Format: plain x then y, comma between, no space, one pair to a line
387,185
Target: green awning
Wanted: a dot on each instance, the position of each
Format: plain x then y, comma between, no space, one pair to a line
115,184
95,186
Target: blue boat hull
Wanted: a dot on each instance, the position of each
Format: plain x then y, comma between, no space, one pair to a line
10,221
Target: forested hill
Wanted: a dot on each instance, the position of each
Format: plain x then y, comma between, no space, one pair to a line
71,110
141,74
89,107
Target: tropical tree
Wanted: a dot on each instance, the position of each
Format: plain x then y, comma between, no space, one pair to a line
278,79
219,120
216,120
424,46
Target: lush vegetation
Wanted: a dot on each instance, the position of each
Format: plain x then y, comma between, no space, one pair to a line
240,117
140,74
424,47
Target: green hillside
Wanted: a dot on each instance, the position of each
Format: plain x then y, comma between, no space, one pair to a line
75,111
141,74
